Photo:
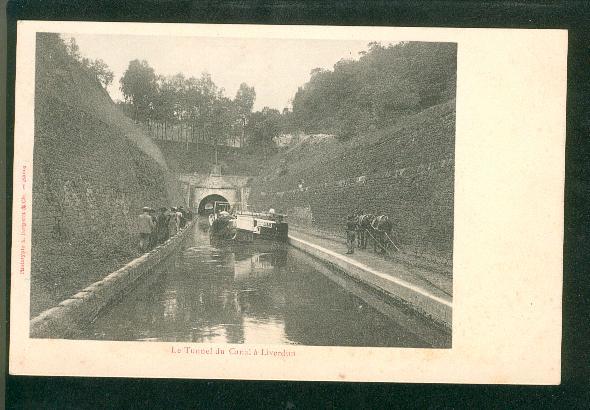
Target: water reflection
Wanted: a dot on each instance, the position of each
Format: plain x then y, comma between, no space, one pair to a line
226,295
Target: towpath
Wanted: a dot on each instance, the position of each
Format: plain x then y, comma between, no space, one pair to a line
434,286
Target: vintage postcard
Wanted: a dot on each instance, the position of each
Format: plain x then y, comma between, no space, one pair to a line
288,202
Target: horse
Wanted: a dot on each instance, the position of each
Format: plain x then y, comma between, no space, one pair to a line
381,229
363,226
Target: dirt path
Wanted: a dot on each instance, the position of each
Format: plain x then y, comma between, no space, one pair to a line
438,280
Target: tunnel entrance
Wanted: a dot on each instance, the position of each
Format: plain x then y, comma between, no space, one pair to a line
206,204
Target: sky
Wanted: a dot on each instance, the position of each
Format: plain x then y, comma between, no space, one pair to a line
275,67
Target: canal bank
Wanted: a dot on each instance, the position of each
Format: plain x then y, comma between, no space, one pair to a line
191,290
65,319
427,292
218,293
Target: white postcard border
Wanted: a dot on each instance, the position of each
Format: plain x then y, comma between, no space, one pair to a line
508,236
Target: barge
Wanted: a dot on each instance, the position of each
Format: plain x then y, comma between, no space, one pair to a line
247,227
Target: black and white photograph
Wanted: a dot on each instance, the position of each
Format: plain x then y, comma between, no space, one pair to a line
259,202
223,190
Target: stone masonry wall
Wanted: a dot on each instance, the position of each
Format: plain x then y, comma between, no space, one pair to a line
406,172
89,184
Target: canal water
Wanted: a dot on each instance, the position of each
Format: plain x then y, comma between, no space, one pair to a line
209,294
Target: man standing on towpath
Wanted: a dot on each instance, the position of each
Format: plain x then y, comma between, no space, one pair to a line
178,218
172,228
145,225
162,225
350,232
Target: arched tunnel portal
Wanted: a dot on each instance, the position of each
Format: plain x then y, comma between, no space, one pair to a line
206,204
201,191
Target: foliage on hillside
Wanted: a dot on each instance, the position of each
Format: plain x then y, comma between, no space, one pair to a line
373,92
378,89
197,103
61,51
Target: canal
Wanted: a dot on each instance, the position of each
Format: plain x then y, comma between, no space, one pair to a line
209,294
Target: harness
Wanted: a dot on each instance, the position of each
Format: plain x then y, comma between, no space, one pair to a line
378,219
364,220
388,238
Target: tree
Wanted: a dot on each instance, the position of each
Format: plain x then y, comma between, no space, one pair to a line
244,102
162,104
245,98
223,117
52,51
194,102
383,85
73,49
95,68
263,127
100,70
138,86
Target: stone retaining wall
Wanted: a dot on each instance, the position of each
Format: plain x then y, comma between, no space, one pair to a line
93,171
406,172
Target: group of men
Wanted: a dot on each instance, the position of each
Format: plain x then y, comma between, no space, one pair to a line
155,227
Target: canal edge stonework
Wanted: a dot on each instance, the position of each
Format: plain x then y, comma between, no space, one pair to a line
438,308
62,320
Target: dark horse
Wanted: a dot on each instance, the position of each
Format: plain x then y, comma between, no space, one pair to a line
363,226
381,230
